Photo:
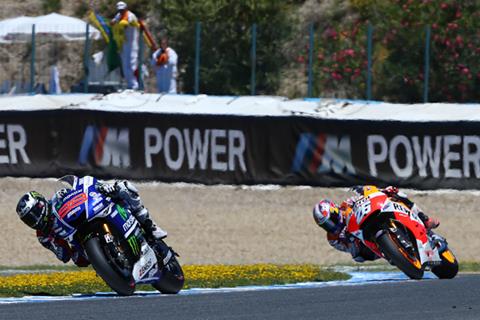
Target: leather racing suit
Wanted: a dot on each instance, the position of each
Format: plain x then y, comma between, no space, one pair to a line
122,192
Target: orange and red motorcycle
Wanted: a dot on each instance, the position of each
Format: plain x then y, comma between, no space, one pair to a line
394,232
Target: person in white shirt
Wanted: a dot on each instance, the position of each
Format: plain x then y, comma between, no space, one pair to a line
127,25
164,62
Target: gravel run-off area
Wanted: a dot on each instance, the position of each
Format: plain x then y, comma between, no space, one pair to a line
240,225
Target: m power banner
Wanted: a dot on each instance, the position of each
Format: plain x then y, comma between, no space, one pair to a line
213,149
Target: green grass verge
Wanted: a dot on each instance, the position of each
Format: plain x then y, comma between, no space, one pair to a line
469,266
85,281
65,280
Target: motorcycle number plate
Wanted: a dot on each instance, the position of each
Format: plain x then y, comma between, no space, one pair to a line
362,210
108,238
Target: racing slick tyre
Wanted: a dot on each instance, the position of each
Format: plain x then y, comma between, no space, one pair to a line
449,266
396,254
172,278
112,278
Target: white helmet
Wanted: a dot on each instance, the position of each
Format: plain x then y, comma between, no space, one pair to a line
121,5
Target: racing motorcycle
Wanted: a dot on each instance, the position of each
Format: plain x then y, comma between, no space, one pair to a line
114,242
394,232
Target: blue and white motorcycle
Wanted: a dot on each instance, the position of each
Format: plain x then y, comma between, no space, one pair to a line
114,241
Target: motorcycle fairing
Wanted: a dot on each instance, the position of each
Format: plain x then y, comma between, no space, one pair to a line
83,202
412,222
146,268
366,206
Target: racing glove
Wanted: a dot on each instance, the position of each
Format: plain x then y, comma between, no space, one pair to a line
390,191
61,193
107,189
397,195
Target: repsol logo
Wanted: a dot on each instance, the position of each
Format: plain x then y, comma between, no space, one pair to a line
204,149
449,156
323,153
13,140
105,146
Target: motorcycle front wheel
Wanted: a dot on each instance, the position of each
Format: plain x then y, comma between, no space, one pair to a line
448,268
172,278
123,286
395,253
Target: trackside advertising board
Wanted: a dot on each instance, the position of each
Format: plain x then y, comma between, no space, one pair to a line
229,149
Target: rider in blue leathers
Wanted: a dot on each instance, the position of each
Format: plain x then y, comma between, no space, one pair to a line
36,211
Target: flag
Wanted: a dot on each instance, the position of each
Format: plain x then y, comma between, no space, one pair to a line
147,36
113,58
99,22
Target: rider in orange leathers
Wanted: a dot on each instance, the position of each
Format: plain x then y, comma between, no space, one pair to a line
332,218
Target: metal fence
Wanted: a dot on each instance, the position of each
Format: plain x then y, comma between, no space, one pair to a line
360,62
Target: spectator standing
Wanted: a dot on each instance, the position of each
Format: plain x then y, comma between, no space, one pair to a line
164,62
54,83
126,33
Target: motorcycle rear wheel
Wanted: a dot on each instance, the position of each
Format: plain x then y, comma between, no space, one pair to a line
112,278
448,268
396,254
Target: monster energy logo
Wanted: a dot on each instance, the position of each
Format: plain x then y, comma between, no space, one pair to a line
35,194
122,212
133,243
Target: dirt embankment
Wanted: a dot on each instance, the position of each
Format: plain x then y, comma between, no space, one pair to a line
230,225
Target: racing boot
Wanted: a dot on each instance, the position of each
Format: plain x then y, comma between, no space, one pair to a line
154,235
129,193
152,230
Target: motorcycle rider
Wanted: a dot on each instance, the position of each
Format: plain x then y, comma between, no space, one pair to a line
36,212
332,219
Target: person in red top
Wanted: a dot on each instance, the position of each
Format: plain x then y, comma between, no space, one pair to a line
332,218
164,62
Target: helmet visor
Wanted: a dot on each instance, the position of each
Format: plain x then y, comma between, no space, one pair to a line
329,226
34,218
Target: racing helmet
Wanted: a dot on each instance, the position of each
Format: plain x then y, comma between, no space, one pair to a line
327,216
33,209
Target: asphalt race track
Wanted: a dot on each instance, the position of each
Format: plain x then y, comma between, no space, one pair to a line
458,298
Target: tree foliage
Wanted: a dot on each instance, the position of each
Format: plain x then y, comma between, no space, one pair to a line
399,45
50,6
225,66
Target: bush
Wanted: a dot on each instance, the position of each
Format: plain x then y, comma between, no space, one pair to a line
399,48
50,6
226,42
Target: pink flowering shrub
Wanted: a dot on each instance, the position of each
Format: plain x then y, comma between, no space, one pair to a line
398,51
340,61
